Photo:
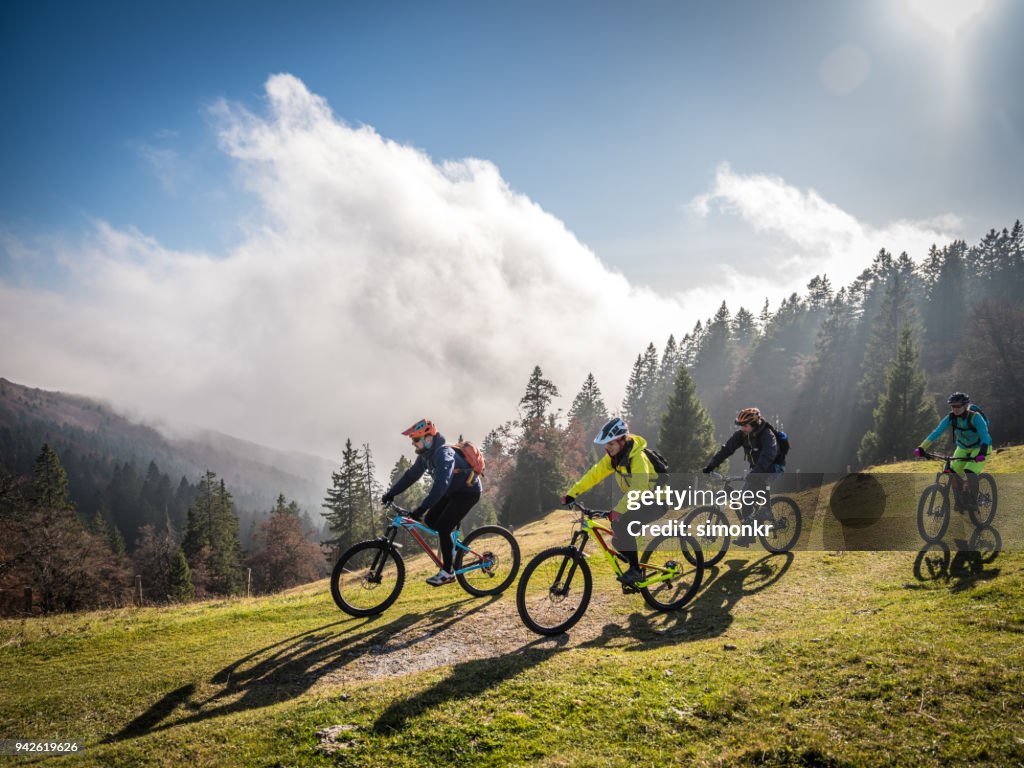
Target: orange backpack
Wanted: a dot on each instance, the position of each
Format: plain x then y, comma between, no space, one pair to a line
473,457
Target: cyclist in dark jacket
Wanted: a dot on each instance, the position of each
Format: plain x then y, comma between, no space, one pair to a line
760,448
451,496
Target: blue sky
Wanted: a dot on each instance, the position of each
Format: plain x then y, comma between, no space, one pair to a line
692,149
609,115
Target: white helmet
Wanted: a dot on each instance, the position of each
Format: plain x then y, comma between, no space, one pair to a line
613,430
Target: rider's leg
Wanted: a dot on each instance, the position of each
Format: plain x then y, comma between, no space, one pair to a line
625,544
448,519
964,466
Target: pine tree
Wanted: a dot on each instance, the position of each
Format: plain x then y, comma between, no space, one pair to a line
212,543
50,482
538,396
640,391
819,292
537,479
180,588
687,438
905,413
370,482
661,390
895,313
944,310
744,327
347,501
588,408
714,365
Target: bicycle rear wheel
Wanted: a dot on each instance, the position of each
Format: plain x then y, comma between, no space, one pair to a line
680,556
786,522
367,578
496,552
713,545
554,591
933,513
988,497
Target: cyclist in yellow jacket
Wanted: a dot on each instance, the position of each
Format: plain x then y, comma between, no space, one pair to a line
625,458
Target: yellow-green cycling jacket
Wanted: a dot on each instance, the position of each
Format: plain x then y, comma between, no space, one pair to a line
636,474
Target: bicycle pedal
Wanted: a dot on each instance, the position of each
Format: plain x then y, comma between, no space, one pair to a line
628,589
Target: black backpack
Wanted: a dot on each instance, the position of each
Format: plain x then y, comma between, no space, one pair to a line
658,462
783,440
969,414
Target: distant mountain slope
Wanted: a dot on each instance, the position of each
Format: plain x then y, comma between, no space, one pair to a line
255,474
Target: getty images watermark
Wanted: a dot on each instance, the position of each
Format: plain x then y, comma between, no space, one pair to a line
668,499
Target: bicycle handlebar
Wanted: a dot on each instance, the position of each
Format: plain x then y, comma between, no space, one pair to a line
600,513
940,457
400,510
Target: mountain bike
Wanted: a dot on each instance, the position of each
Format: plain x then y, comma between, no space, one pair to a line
933,509
781,513
370,575
557,584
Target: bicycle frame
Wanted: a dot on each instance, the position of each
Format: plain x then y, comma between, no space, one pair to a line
402,521
727,486
590,527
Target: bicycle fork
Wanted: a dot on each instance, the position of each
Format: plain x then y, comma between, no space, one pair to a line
562,579
388,539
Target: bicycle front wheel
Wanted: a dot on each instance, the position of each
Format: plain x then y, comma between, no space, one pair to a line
554,591
367,578
678,564
710,527
785,521
988,497
492,555
933,513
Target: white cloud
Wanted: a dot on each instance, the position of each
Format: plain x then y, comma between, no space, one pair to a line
377,287
822,238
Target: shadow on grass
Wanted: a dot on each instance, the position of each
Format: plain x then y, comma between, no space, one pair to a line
707,616
710,613
288,668
936,565
470,679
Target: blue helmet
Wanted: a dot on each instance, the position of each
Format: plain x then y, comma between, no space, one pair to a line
613,430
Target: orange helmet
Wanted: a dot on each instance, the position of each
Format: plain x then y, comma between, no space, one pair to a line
748,416
421,428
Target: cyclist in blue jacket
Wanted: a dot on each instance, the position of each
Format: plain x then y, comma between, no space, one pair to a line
455,491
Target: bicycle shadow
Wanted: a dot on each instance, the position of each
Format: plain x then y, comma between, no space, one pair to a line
288,668
936,564
469,679
711,612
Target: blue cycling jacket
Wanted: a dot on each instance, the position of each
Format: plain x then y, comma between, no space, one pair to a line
447,469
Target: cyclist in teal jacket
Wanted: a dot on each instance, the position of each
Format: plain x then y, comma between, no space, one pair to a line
970,429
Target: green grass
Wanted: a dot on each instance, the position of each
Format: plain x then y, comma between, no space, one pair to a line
815,659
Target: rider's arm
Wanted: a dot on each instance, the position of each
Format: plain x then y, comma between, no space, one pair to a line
983,434
728,449
410,476
937,432
769,450
594,475
444,465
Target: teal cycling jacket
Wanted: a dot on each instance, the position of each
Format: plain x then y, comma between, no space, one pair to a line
966,437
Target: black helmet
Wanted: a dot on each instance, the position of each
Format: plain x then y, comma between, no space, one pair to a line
958,398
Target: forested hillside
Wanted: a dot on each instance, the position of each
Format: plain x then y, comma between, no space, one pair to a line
135,475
